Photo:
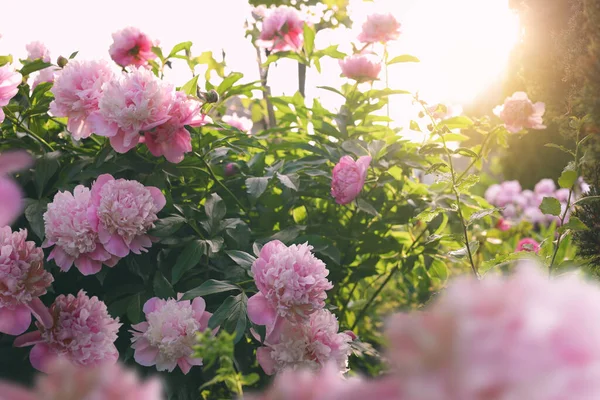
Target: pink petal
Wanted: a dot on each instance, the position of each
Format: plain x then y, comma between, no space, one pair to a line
151,305
87,266
204,321
139,244
199,306
13,392
28,339
157,196
97,187
146,356
12,201
41,357
41,312
116,246
79,128
120,146
263,356
111,262
260,311
141,327
184,365
100,126
62,259
15,321
99,254
13,161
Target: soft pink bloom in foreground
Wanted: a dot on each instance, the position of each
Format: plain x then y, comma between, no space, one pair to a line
519,112
528,244
282,29
83,332
135,103
22,280
9,86
66,381
122,211
167,337
360,67
37,51
521,337
77,91
242,123
171,139
349,178
380,28
10,193
132,47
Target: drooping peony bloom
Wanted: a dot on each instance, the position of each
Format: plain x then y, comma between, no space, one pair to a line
122,211
519,112
135,103
291,281
522,337
22,280
171,139
360,67
77,91
132,47
67,381
349,178
242,123
10,193
282,30
528,244
83,332
167,337
9,86
37,51
380,28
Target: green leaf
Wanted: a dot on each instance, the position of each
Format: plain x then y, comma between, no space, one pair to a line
464,252
215,208
191,86
551,206
180,46
289,181
231,316
256,186
309,39
439,269
158,51
465,184
460,122
134,309
480,214
5,60
73,55
330,51
211,286
463,151
34,66
190,256
414,126
167,226
330,89
162,287
34,213
367,207
45,168
229,82
428,215
241,258
567,179
561,148
403,59
574,224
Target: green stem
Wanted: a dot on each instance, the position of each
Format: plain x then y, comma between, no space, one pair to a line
218,182
387,83
34,135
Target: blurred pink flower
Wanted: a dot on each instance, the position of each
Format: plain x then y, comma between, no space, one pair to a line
43,76
10,193
131,47
122,211
9,86
349,178
22,280
37,51
528,244
519,112
503,224
231,169
135,103
242,123
167,337
83,332
360,67
545,187
77,91
380,28
282,30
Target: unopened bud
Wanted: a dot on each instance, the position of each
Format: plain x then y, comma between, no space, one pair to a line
62,61
231,169
211,96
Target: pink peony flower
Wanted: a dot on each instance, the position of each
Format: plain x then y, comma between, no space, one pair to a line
291,281
282,30
562,195
132,47
521,337
43,76
171,139
122,212
83,332
503,224
22,280
519,112
135,103
360,67
10,193
528,244
307,344
380,28
9,86
66,381
167,337
37,51
545,187
77,91
242,123
349,178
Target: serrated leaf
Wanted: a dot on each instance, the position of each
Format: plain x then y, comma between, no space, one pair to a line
403,59
190,257
289,181
191,87
211,286
567,179
241,258
256,186
464,252
158,51
367,207
550,206
162,287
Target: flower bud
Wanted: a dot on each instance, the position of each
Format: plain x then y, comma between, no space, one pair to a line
62,62
231,169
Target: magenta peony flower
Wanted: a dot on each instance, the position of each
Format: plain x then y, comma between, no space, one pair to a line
74,239
135,103
131,47
37,51
360,67
122,211
282,30
77,92
167,337
171,139
22,280
380,28
10,193
242,123
528,244
9,86
349,178
519,112
83,332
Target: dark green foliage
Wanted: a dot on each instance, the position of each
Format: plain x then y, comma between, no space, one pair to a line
588,240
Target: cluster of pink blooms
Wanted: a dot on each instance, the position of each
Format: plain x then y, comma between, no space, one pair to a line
39,51
11,193
89,228
167,337
282,30
9,86
132,47
349,178
519,112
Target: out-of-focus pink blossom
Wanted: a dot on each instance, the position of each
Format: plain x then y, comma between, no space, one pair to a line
562,195
43,76
380,28
528,244
545,187
349,178
231,169
361,67
10,193
242,123
503,224
9,86
132,47
519,112
82,332
37,51
167,337
282,29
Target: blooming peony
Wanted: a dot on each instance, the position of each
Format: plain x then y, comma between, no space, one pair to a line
43,76
528,244
545,187
37,51
135,103
242,123
282,29
167,337
519,112
77,91
83,332
360,67
349,178
9,86
131,47
380,28
22,280
122,212
10,193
